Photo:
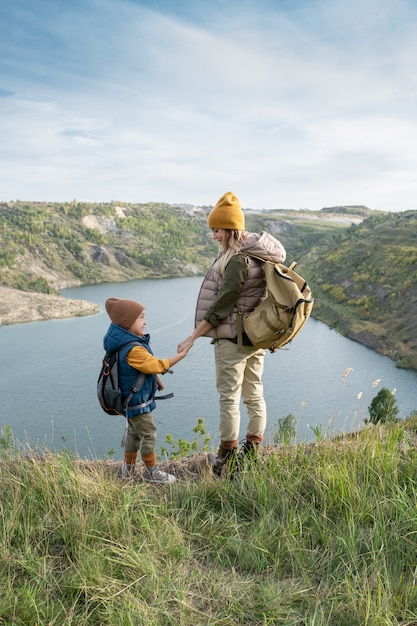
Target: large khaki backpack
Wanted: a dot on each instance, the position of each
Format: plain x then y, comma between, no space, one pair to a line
282,314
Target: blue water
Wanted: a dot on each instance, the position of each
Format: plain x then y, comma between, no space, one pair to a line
49,372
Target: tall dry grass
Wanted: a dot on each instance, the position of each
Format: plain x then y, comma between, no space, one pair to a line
317,534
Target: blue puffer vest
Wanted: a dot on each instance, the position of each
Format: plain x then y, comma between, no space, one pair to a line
115,338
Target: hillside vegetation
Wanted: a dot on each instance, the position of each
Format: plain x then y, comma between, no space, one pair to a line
361,264
46,247
365,284
322,534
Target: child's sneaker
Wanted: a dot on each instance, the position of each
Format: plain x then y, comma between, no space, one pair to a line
155,475
128,471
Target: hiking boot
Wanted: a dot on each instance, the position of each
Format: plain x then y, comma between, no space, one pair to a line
247,454
225,458
155,475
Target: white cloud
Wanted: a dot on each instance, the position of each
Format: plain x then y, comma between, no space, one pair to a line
309,107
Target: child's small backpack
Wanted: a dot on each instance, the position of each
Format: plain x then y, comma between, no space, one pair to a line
281,315
108,391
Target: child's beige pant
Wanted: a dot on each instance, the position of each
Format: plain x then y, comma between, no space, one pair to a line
239,375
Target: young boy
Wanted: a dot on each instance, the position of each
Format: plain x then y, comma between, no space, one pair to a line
127,325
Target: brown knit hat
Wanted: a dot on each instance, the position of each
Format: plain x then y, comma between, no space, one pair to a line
124,313
227,213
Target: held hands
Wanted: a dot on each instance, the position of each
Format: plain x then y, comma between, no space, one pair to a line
185,345
202,328
181,354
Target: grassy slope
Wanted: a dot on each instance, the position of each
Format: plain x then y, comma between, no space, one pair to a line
322,534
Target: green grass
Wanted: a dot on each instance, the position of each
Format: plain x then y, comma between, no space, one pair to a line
317,534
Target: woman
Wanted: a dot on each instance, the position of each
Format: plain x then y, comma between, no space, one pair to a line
233,286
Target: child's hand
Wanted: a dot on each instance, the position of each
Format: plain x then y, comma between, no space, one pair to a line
185,345
159,384
182,352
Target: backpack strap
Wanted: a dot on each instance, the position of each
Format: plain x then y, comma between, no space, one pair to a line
239,327
137,386
239,315
290,267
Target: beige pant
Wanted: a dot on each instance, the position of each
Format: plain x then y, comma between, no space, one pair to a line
238,375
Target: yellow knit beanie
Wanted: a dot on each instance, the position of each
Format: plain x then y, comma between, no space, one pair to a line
122,312
227,213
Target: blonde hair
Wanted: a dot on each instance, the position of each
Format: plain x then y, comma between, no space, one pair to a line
231,247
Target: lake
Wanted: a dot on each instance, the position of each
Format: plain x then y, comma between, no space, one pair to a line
49,372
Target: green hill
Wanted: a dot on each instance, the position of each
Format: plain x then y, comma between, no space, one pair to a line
365,284
46,247
361,264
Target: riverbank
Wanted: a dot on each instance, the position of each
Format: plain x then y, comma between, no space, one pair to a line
23,306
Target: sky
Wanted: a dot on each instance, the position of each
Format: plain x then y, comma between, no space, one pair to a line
299,104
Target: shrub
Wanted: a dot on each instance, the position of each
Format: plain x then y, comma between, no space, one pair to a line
383,408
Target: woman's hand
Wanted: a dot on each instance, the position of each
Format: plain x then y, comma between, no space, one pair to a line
185,345
201,330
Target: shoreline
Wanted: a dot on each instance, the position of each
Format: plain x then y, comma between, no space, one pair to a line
19,307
